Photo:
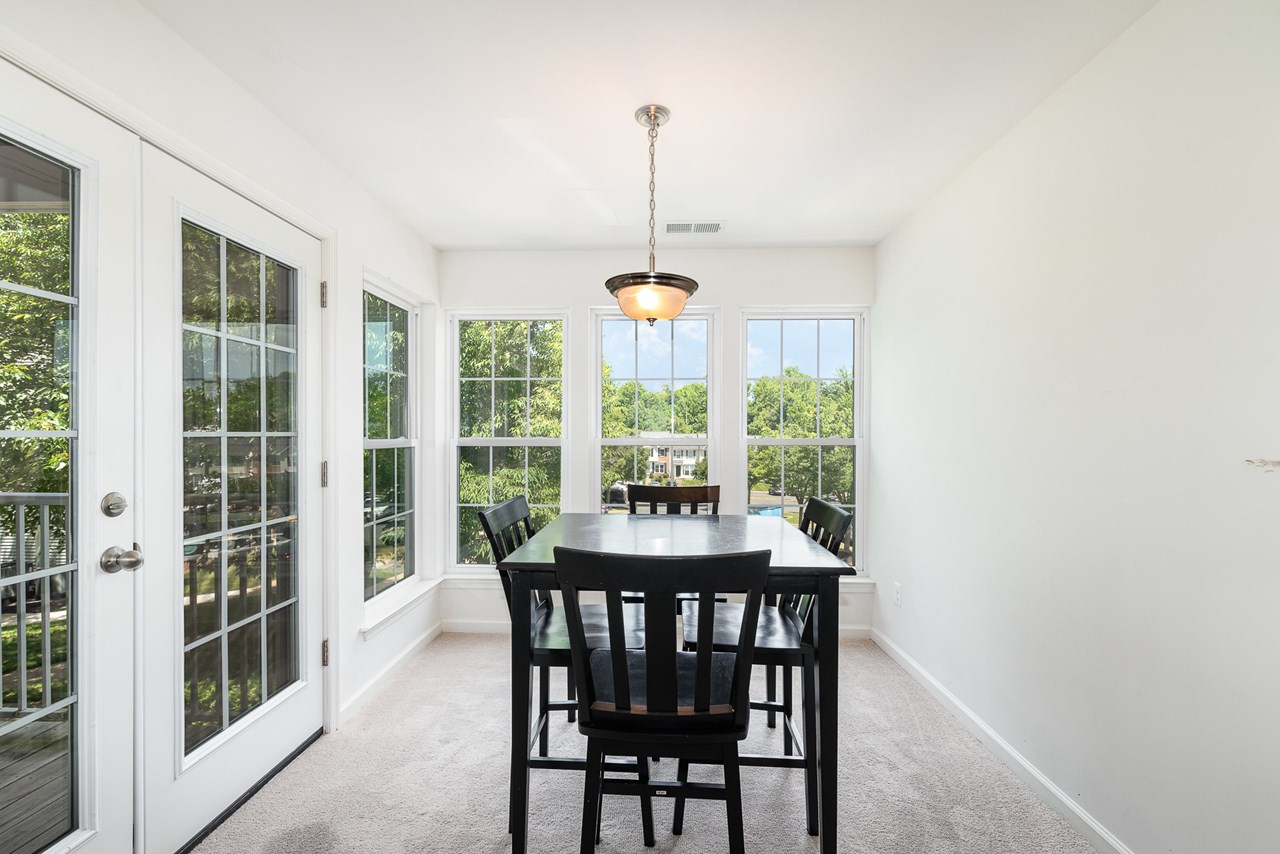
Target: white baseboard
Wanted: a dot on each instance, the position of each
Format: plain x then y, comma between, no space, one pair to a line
1078,817
855,632
370,689
492,627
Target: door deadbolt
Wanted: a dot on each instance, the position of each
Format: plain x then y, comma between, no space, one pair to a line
113,504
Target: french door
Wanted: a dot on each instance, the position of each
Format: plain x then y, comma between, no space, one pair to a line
68,480
160,564
231,397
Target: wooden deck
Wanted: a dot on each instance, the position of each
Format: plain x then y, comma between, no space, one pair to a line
35,786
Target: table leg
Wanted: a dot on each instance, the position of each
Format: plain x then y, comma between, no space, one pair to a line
521,666
827,654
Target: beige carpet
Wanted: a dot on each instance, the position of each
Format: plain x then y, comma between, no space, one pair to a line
424,769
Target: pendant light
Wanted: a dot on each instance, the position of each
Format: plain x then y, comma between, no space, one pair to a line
651,296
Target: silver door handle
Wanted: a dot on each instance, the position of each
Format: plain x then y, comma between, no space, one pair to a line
116,558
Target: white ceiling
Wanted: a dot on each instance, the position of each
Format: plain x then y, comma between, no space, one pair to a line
490,124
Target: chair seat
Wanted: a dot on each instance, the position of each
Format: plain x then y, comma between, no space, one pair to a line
775,632
551,634
686,675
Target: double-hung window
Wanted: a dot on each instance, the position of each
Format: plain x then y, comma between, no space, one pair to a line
803,412
509,420
653,404
389,444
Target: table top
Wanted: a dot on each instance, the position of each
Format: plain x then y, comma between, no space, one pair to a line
792,553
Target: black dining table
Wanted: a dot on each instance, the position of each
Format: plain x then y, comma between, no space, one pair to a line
797,565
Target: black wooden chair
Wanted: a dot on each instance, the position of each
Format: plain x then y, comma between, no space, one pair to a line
660,700
672,498
508,526
784,638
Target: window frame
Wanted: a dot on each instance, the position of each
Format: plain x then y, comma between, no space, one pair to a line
859,315
387,291
595,353
454,318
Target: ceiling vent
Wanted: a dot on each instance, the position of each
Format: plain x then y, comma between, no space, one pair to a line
694,227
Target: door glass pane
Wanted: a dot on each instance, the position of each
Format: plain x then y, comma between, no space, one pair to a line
282,578
38,459
282,472
201,382
202,693
201,277
244,576
244,291
244,395
202,576
282,649
281,312
240,459
280,391
244,670
202,486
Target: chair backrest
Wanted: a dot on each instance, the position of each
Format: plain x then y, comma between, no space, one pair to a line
672,498
826,524
661,689
508,526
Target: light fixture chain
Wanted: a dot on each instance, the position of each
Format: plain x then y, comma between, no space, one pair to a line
653,141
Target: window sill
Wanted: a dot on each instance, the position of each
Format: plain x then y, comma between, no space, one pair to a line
381,611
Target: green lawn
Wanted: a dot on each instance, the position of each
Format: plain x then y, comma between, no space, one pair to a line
35,653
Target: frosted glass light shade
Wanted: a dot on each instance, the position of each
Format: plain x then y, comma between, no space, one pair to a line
651,296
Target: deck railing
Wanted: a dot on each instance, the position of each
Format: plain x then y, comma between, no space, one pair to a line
35,569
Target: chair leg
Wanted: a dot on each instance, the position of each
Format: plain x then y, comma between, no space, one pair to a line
682,776
544,684
771,691
591,797
787,699
646,802
572,694
600,800
733,799
810,746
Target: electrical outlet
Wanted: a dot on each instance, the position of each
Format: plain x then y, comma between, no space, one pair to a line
897,593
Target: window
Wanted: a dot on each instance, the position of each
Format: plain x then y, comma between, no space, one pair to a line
653,404
802,413
510,415
388,446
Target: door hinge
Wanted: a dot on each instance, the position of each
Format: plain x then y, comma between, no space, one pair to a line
324,294
324,653
324,473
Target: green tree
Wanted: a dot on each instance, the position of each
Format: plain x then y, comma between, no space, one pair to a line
510,385
797,406
35,358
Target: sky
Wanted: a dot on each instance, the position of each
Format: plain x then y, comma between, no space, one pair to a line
678,349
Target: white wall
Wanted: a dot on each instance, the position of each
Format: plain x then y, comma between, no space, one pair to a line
1075,352
120,52
728,279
